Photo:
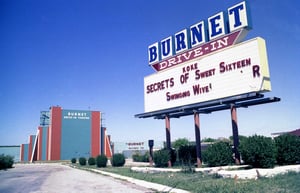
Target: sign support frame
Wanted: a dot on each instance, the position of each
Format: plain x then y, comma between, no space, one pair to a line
198,139
232,103
235,134
168,136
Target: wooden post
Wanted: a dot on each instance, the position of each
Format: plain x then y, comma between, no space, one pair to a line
198,139
168,136
235,135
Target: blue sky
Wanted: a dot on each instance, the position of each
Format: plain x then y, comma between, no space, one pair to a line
93,55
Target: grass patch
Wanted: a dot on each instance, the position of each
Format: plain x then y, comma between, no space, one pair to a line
200,182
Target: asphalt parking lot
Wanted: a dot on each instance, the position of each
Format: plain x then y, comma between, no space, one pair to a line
53,178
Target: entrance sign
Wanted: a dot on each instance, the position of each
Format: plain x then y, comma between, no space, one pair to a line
207,68
234,19
199,51
236,70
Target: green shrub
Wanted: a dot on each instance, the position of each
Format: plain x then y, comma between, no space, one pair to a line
101,161
163,156
180,142
6,161
218,154
91,161
258,151
73,160
118,160
187,154
173,155
137,157
82,161
288,149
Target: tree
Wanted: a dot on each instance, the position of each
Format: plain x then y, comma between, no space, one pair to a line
218,154
180,142
208,140
187,154
288,151
241,138
258,151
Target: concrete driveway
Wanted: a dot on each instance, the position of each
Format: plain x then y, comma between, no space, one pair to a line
53,178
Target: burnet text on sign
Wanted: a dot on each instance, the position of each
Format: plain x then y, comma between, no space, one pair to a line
187,42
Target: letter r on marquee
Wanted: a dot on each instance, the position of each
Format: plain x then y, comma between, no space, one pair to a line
181,41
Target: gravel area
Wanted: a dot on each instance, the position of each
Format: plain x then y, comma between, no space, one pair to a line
230,171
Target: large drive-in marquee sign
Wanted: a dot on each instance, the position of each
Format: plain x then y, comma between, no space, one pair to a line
206,68
206,62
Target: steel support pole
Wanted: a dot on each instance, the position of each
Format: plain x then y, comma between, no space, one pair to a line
168,136
198,139
235,135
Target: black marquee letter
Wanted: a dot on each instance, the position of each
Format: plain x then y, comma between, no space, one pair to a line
255,71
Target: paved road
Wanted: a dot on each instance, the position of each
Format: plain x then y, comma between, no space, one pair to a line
55,178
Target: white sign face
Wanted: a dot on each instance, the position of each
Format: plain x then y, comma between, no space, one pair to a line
236,70
75,115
